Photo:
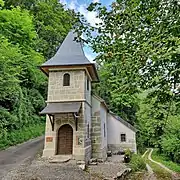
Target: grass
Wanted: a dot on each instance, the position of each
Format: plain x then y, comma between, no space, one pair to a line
165,161
160,173
22,135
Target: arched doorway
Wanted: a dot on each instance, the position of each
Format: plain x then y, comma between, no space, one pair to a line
65,140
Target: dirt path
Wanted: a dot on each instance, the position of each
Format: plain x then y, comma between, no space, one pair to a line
15,156
175,175
164,167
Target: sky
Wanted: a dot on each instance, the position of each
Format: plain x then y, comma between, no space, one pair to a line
80,6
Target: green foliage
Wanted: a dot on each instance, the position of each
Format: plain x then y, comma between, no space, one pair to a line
30,32
138,44
51,20
16,25
18,136
137,163
171,139
165,161
9,70
1,3
128,152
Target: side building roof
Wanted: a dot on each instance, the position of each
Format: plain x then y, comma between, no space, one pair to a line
123,121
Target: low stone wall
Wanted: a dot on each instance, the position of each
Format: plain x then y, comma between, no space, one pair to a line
124,146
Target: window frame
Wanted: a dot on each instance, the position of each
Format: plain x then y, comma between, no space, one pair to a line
66,79
125,138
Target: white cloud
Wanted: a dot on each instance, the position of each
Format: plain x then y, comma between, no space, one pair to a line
94,1
91,17
72,5
64,2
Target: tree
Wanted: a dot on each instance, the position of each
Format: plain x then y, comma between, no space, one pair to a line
171,139
139,43
52,23
19,76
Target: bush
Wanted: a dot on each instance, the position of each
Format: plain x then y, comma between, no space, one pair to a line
137,163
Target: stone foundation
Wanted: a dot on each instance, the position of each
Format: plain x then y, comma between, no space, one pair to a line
124,146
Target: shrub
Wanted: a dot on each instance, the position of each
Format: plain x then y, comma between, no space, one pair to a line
128,152
137,163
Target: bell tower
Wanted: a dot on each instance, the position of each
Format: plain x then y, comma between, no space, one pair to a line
69,101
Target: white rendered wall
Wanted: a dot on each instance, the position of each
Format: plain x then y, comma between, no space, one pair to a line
115,128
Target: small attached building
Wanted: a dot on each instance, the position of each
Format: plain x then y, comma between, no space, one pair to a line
121,134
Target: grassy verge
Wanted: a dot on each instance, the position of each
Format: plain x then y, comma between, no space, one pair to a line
165,161
160,173
21,135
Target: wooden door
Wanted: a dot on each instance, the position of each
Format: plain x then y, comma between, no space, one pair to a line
65,140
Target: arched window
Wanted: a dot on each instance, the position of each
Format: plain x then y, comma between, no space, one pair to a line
66,80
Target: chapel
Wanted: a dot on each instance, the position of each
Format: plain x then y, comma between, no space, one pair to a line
79,123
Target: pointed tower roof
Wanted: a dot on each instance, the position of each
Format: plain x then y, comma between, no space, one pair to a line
70,53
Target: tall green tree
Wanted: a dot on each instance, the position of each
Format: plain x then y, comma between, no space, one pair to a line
138,41
52,23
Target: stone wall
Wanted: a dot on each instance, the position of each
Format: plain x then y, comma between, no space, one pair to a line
58,92
81,147
96,136
122,147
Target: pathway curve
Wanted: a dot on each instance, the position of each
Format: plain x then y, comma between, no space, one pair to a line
174,174
151,175
14,156
164,167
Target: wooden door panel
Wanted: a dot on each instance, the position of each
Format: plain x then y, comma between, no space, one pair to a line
65,140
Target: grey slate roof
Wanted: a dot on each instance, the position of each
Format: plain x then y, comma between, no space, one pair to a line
61,107
69,53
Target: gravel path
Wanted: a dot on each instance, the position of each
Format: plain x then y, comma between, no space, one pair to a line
108,169
40,169
22,162
14,156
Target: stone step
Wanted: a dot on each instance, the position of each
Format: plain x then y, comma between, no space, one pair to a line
60,158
